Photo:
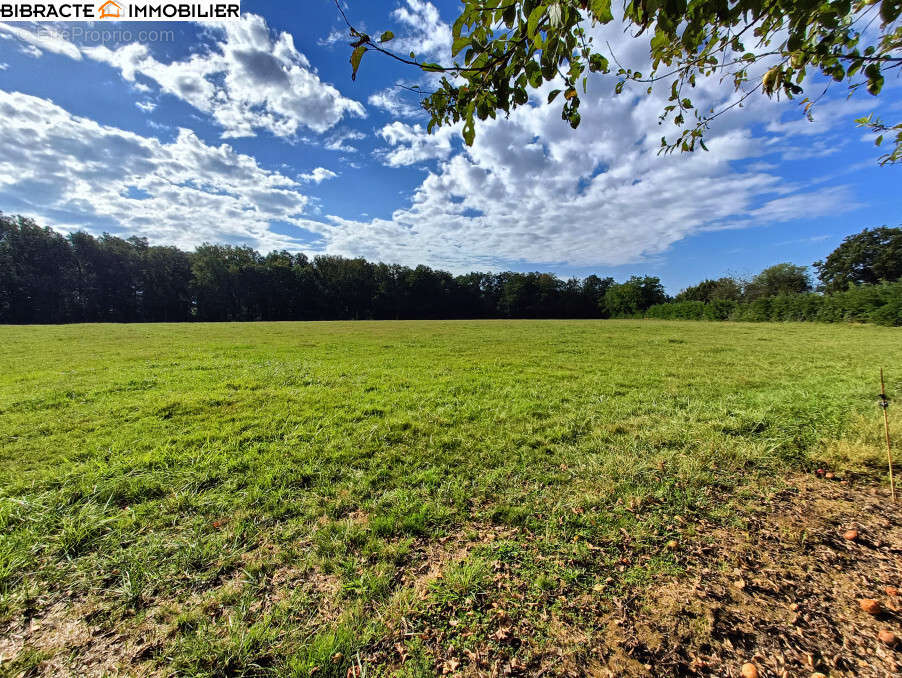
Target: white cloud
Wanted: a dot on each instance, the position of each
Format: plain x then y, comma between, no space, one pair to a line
529,190
338,141
427,35
30,50
3,66
248,79
335,36
318,175
146,106
39,40
397,102
411,144
533,190
73,171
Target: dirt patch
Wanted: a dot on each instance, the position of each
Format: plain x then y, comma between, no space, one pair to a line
783,593
61,641
780,591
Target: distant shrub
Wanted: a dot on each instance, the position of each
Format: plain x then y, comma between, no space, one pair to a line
881,304
678,310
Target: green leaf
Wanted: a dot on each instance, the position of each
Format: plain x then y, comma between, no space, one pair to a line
459,44
458,26
601,10
510,15
356,56
598,63
889,10
388,35
469,132
553,94
533,73
534,17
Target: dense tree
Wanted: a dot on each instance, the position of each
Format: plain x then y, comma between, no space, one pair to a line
110,283
779,279
722,289
48,278
865,258
502,49
166,288
345,287
634,296
36,273
593,292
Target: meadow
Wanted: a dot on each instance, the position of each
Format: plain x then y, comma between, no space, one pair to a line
337,499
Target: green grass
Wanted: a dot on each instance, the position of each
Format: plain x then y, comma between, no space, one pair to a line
263,499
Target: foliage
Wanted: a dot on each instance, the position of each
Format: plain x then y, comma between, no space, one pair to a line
35,264
265,499
48,278
881,304
776,280
721,309
865,258
726,289
634,296
52,279
503,49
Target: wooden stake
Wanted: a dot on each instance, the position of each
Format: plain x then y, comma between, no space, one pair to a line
884,403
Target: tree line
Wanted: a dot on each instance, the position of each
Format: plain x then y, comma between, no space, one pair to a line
48,277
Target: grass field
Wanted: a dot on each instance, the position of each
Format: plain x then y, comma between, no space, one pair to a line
293,499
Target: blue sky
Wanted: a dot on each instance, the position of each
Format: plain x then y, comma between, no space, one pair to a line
253,132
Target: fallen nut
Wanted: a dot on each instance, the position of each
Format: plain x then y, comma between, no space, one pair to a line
672,544
870,605
851,535
891,591
748,670
887,637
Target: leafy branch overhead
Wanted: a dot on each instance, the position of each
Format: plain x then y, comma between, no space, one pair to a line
502,49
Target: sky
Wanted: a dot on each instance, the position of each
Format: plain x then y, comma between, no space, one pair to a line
253,132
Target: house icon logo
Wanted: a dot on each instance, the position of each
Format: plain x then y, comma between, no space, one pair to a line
110,10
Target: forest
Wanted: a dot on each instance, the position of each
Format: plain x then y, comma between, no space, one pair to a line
47,278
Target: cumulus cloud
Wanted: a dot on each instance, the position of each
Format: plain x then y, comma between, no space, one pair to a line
318,175
339,140
39,39
533,190
530,190
426,34
333,38
247,79
73,171
411,144
397,102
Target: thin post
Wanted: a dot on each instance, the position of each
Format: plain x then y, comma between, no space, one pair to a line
884,403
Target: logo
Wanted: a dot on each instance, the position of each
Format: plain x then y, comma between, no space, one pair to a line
120,10
110,10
